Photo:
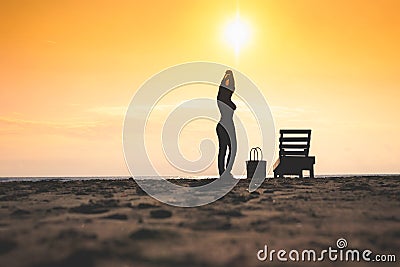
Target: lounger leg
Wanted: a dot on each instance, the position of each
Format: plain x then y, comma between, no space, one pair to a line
301,174
312,172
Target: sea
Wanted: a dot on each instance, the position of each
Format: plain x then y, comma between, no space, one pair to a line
86,178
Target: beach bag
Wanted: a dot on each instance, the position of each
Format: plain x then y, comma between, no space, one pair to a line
256,166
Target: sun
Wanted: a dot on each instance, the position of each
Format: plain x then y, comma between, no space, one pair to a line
237,33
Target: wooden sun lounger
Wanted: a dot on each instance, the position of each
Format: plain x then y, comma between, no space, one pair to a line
294,146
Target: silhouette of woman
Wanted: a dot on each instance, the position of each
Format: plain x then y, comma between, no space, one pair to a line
225,128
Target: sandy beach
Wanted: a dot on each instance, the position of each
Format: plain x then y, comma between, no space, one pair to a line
114,223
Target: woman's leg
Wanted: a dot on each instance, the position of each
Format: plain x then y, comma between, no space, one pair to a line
221,133
229,155
221,160
232,148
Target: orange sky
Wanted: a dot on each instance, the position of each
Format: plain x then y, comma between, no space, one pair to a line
69,69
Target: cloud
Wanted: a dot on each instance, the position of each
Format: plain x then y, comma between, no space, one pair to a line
298,117
50,42
109,110
289,112
76,128
100,121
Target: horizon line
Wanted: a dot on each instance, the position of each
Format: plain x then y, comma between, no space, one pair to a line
188,176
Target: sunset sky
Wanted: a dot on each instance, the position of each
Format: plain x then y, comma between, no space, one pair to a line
68,70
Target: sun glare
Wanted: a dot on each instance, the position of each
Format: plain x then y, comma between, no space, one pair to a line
237,33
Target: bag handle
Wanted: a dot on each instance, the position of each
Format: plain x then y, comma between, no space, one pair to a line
251,153
256,149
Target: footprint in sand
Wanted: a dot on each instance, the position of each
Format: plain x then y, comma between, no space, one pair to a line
6,246
121,217
160,214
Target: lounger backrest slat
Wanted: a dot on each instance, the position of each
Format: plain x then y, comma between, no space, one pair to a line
294,143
